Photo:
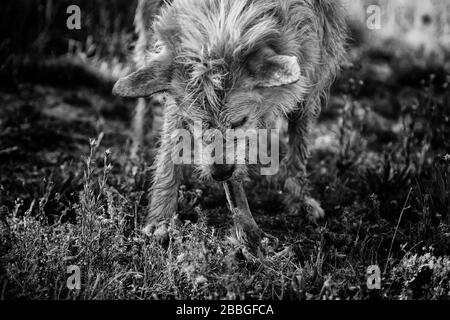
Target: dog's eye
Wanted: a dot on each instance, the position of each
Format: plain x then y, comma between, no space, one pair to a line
208,125
239,123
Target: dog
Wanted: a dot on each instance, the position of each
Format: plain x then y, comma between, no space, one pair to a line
237,64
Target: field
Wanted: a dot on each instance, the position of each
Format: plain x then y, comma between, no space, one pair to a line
380,166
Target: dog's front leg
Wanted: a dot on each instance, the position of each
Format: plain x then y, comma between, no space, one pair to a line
167,177
294,168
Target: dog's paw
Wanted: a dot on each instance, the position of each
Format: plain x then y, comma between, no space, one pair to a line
304,206
157,231
313,209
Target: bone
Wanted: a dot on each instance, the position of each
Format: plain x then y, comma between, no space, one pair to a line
246,227
231,205
236,197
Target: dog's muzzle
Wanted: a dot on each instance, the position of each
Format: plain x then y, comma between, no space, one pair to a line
222,172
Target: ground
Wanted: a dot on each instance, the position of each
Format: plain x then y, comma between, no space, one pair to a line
70,195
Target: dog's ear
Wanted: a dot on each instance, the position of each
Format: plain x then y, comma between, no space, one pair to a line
151,79
276,71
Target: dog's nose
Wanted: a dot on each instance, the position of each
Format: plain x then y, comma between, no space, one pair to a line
222,172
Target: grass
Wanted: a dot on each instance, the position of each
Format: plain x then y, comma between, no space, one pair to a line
379,165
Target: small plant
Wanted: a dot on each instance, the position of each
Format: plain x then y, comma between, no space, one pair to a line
422,276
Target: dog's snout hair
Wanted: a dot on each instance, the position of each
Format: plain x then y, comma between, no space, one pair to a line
222,172
236,64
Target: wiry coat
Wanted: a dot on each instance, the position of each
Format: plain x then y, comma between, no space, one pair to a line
313,30
211,56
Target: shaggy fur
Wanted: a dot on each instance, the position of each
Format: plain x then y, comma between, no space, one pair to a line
236,63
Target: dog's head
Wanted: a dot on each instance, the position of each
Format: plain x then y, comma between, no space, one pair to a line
226,64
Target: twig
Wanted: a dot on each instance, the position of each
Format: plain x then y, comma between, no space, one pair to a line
396,229
9,150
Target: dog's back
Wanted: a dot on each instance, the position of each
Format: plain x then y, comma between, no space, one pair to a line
328,14
314,30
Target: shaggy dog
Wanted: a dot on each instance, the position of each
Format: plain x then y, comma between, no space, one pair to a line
238,64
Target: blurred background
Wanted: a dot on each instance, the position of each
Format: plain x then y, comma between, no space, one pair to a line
32,31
